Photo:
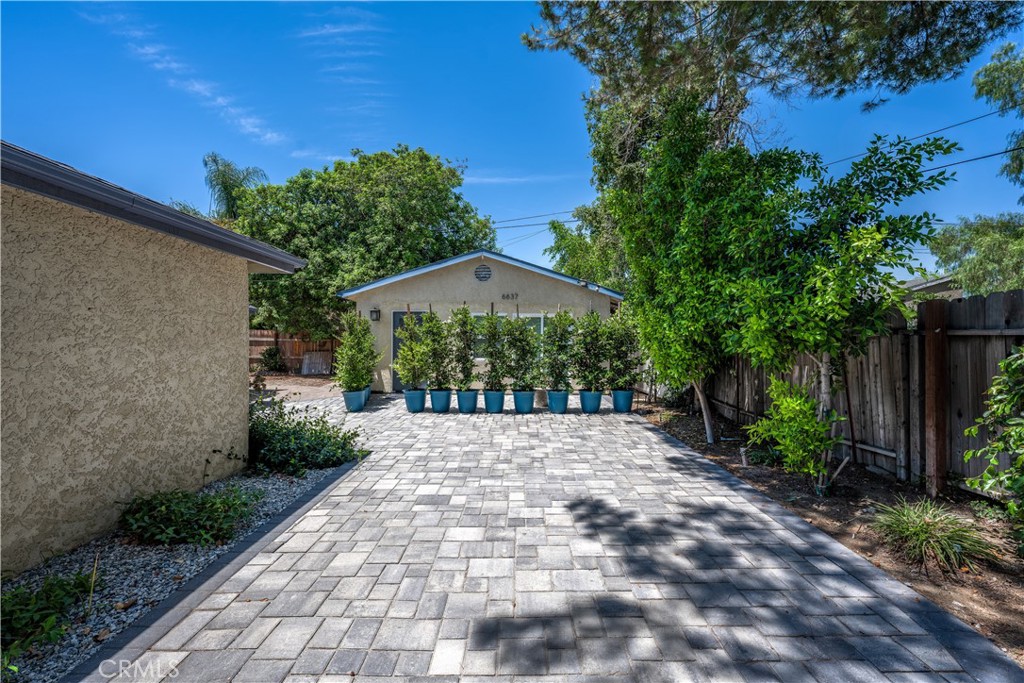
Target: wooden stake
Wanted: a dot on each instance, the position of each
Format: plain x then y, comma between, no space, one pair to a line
936,383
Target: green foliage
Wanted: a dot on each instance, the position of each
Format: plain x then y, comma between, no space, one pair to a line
356,357
463,331
1001,84
768,457
411,362
623,350
590,353
984,254
791,425
591,249
985,510
29,617
556,350
290,441
171,517
272,360
927,530
1003,421
437,343
492,343
522,346
356,222
226,180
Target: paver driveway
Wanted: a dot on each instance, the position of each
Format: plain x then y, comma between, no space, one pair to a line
567,547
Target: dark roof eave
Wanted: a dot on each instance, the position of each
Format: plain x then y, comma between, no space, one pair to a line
35,173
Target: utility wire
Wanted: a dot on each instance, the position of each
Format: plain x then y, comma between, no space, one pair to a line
523,237
967,161
533,225
523,218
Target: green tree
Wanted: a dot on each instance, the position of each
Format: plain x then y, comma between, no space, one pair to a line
1001,83
556,347
463,330
437,351
356,357
590,353
492,343
225,180
590,250
522,346
984,254
359,221
411,361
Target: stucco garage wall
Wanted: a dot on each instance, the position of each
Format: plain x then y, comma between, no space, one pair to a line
123,366
447,288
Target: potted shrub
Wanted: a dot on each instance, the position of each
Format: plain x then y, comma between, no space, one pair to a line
521,347
556,353
462,328
493,347
355,360
411,363
623,352
588,361
437,350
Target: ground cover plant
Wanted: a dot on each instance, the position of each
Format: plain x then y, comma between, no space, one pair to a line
926,531
290,441
170,517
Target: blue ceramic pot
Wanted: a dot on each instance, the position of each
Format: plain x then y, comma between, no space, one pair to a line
590,401
415,400
440,400
494,401
367,391
523,401
468,401
558,401
354,400
622,400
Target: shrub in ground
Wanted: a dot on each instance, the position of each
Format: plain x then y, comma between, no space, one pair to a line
926,530
769,457
290,441
271,360
173,517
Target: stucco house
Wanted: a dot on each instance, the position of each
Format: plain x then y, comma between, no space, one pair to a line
124,351
481,279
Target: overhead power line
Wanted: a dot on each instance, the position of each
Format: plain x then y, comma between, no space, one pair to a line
524,218
533,225
967,161
523,237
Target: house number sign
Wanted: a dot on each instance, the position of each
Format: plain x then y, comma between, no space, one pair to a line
510,296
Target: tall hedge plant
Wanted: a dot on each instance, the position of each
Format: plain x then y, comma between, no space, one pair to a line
411,362
463,331
356,357
492,342
522,347
590,353
556,350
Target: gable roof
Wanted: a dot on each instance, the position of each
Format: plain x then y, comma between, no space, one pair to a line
35,173
519,263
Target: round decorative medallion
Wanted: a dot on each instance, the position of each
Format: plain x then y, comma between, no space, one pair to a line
482,273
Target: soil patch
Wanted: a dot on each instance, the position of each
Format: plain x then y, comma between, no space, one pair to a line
301,387
991,599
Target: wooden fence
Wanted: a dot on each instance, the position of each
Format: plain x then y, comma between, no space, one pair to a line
913,393
301,356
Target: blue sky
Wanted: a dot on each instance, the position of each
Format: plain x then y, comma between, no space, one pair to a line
137,93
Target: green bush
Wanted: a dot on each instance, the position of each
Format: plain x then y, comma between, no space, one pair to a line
769,457
356,357
589,353
623,351
437,352
556,350
988,511
521,348
927,530
272,360
28,617
492,347
411,360
462,331
290,441
792,426
171,517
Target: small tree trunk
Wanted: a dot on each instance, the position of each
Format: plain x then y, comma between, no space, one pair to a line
705,409
824,406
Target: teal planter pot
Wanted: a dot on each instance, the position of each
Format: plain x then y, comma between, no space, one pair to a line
440,400
467,401
558,401
415,400
523,401
590,401
494,401
622,400
354,400
367,391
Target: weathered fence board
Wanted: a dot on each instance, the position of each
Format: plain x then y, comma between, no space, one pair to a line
300,355
887,396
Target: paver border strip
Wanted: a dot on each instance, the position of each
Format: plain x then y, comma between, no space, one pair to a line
135,640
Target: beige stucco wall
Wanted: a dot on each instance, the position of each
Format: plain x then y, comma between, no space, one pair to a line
122,366
447,288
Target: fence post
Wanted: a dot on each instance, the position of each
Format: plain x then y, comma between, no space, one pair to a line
936,385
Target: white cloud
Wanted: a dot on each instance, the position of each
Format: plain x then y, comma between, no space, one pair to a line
319,155
339,29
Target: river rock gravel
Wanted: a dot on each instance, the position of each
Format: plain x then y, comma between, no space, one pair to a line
136,578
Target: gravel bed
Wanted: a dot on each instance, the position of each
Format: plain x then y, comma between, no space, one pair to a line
140,573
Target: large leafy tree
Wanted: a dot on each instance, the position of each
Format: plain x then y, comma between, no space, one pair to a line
984,254
375,216
1001,83
591,249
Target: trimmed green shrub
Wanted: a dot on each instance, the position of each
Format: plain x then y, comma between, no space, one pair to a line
492,347
411,359
437,352
290,441
590,353
556,350
522,345
356,357
623,351
463,331
171,517
272,360
927,530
